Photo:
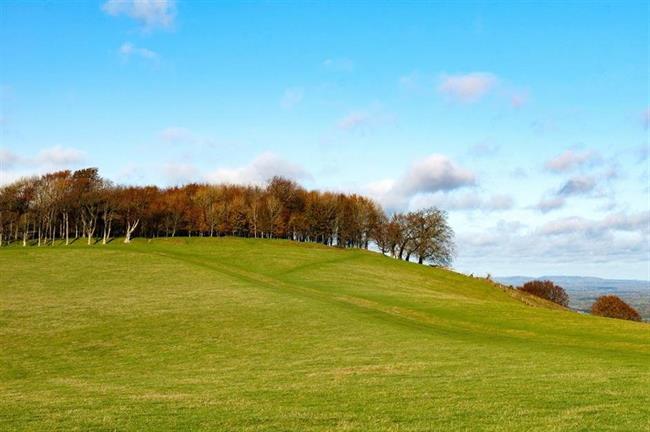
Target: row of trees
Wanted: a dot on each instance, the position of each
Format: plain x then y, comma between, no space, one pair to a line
67,206
609,306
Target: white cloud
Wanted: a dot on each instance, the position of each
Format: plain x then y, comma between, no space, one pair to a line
578,186
128,50
150,13
7,158
597,228
339,64
467,201
435,173
261,169
570,159
546,205
59,156
467,88
628,222
568,244
14,166
292,97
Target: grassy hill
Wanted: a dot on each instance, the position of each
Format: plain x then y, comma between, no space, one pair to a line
235,334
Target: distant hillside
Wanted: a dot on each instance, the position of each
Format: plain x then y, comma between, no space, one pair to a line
584,290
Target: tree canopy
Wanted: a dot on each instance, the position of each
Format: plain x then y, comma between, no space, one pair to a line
69,205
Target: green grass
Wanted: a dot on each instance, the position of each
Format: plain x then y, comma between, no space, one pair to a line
250,335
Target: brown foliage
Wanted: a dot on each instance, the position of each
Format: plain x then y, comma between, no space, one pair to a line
546,290
65,204
612,306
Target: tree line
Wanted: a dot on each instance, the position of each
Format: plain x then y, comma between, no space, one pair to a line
68,206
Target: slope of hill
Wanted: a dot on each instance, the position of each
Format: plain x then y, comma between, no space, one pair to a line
236,334
583,291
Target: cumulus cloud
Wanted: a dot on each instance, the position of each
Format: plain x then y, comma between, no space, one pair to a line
261,169
14,166
597,228
339,64
594,184
467,88
52,157
569,160
467,201
292,97
150,13
627,222
435,173
578,186
59,156
128,50
619,239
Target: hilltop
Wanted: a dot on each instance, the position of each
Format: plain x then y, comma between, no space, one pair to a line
245,334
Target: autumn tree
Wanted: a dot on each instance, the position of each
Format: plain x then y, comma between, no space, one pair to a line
108,207
133,204
547,290
86,186
432,237
49,207
612,306
254,202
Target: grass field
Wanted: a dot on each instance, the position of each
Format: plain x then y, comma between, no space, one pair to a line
251,335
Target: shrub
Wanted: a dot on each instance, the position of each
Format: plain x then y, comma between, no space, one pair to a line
612,306
546,290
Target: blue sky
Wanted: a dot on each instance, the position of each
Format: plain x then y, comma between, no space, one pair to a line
527,122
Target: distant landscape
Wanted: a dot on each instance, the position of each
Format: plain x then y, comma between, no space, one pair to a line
583,291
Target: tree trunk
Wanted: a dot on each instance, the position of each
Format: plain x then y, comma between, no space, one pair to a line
129,230
67,230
